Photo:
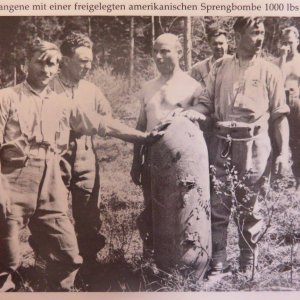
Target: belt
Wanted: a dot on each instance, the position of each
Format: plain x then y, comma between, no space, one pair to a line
40,151
13,155
232,131
238,130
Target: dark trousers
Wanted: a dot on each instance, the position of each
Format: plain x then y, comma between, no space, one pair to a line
294,124
85,192
86,214
144,221
37,197
252,157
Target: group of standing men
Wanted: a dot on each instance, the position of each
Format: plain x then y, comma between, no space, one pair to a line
244,96
47,128
41,157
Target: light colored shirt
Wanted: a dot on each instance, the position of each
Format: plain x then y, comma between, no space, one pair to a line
245,93
85,93
90,96
42,117
160,97
201,69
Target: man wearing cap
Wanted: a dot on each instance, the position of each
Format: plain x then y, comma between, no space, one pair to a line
289,63
85,182
217,39
173,90
34,133
244,94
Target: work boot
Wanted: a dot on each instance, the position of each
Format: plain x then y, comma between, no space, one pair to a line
89,246
247,256
218,272
144,225
247,273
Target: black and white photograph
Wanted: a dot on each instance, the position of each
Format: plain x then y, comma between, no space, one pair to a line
149,153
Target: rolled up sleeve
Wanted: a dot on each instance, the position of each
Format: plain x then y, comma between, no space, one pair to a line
277,98
207,95
87,122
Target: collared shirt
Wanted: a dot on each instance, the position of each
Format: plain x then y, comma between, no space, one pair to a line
160,97
42,117
201,69
245,93
85,92
90,96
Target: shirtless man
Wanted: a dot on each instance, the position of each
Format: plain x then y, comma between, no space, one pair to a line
289,63
170,90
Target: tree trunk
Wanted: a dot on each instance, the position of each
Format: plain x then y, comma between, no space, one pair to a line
89,27
15,76
152,30
187,53
131,60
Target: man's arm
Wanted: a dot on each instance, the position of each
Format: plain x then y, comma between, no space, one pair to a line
91,123
137,159
281,132
278,111
197,111
4,112
196,73
121,131
204,102
203,108
282,61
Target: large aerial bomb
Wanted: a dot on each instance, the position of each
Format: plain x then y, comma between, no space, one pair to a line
180,193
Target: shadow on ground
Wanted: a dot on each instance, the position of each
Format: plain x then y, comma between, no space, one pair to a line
118,276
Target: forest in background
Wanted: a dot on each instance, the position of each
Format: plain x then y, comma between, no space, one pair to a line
121,43
122,48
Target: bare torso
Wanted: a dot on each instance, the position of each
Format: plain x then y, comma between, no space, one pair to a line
160,97
291,71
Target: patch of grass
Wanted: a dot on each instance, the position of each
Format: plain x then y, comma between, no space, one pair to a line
121,265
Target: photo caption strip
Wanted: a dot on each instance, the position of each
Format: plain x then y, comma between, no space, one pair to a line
146,7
